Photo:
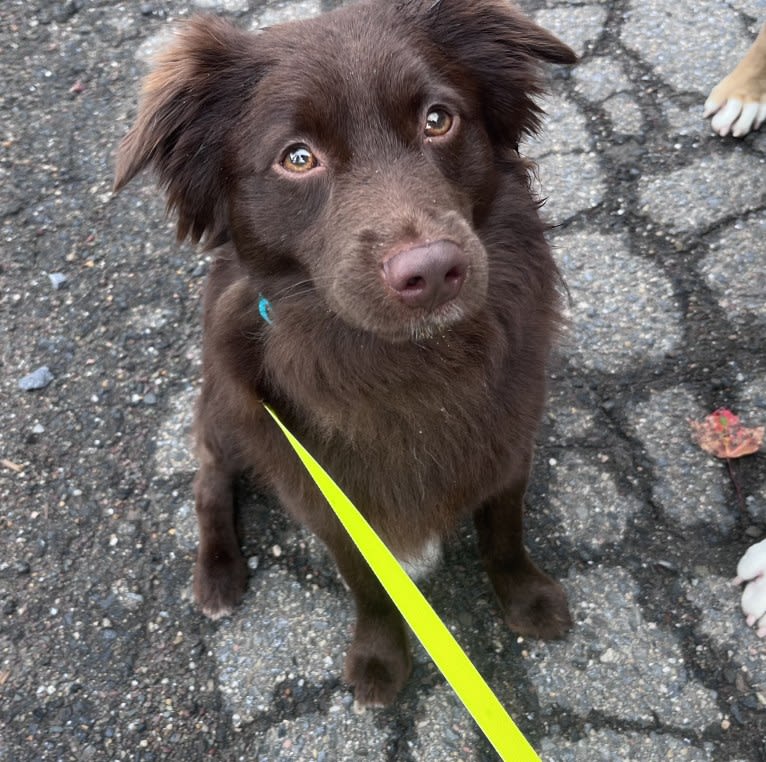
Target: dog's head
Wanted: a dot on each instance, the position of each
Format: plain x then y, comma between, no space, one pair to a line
355,157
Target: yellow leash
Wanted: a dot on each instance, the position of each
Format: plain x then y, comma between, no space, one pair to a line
449,657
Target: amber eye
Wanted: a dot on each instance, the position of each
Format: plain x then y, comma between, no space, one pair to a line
438,123
298,158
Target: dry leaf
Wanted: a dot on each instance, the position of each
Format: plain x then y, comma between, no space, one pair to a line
721,434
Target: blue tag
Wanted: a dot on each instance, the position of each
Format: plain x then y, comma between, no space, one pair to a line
264,307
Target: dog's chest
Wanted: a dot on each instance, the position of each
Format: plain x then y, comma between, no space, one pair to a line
418,476
416,436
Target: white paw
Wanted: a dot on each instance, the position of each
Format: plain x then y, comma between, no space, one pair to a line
753,563
735,117
751,570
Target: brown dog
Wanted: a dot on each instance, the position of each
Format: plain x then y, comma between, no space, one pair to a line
383,281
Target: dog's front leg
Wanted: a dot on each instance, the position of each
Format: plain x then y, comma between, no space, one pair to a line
533,603
220,572
378,661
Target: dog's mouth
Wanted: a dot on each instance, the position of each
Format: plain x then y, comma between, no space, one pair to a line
431,324
428,288
414,285
420,292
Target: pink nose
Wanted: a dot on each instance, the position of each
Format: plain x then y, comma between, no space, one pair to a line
428,275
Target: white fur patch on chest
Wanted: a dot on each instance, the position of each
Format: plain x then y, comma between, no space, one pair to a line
425,561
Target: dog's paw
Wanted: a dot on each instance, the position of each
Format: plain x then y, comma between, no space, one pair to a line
736,114
378,663
751,570
376,681
220,581
754,605
738,102
534,604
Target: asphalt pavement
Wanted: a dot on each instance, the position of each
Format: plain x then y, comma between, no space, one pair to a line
661,235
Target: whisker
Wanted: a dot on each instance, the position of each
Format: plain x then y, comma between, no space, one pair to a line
300,288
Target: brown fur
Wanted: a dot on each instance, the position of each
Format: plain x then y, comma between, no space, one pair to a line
423,415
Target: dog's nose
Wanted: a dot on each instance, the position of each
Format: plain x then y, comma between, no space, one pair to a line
428,275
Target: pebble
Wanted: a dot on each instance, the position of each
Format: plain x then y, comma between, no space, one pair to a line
57,280
37,379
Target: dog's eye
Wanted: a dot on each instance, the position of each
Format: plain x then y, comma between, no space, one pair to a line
438,123
298,158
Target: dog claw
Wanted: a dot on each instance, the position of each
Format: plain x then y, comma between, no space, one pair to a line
216,615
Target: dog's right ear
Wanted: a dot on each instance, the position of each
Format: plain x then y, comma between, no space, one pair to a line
188,104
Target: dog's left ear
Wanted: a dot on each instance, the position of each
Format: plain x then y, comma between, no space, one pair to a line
188,105
500,49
